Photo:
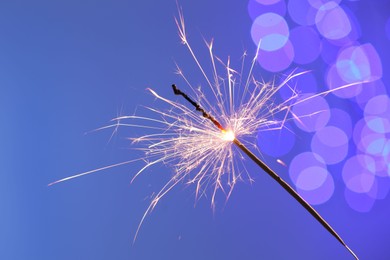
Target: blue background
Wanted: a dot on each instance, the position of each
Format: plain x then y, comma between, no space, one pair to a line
68,67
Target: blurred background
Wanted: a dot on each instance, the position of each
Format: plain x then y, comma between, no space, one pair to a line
68,67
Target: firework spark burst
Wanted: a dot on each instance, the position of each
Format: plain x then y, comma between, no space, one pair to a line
203,150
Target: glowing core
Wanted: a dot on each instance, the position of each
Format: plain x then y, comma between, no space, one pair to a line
228,135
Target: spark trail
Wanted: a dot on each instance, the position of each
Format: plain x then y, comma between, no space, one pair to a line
268,170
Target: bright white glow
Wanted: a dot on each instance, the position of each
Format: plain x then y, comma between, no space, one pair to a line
228,135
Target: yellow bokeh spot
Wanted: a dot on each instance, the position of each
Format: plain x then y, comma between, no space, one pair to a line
228,135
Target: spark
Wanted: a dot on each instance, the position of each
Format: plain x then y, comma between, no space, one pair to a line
202,150
281,162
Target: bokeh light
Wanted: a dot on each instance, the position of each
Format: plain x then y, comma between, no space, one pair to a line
271,31
268,2
256,8
359,63
302,12
316,176
373,144
331,143
370,90
275,61
319,3
348,130
360,202
313,181
300,161
354,64
359,173
375,133
342,120
366,139
353,35
377,114
360,131
332,22
334,81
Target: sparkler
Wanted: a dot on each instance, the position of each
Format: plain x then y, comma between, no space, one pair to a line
200,149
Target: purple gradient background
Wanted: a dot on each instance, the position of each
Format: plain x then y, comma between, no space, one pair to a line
67,67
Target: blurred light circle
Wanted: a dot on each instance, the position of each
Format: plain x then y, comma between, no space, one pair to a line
360,130
256,8
305,83
276,142
303,161
360,202
386,152
359,173
359,63
354,34
311,113
307,44
382,166
377,149
301,12
340,87
331,143
372,134
378,105
271,31
378,124
319,3
268,2
308,172
377,114
370,90
341,119
332,22
382,159
311,178
373,144
321,194
366,140
275,61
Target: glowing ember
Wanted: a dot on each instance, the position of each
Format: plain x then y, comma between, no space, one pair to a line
228,135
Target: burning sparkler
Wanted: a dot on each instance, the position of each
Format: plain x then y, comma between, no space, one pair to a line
200,149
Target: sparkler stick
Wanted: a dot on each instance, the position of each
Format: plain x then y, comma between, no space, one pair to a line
268,170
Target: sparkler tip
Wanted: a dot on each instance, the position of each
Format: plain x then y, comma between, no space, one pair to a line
175,89
352,253
228,135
